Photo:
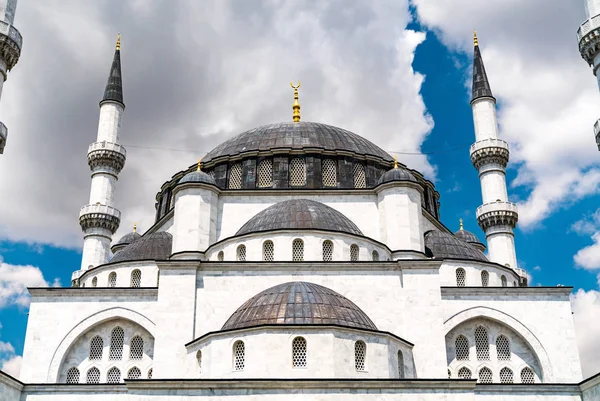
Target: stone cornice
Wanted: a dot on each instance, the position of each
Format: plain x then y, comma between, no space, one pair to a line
75,388
299,266
94,292
540,388
8,380
590,382
510,292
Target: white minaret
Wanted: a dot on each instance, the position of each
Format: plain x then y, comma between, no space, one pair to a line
100,219
588,37
497,217
10,50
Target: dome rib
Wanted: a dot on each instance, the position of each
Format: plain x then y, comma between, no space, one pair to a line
298,303
445,245
299,214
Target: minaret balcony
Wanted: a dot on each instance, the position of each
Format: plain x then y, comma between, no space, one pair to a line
588,37
11,42
497,213
489,151
3,136
99,216
106,155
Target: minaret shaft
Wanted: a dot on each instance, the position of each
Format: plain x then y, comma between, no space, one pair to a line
588,38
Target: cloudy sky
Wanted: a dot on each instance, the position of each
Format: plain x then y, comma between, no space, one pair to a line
396,72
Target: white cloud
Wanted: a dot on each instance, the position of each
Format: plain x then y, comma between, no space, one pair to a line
589,257
12,366
586,312
14,281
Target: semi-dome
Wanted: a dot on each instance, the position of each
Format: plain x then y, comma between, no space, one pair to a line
297,135
299,303
155,246
467,236
197,176
299,214
397,174
128,238
445,245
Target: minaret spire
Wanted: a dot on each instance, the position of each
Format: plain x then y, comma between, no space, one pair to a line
114,85
481,85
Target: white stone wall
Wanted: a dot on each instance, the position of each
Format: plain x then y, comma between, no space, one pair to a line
10,389
473,272
195,221
103,189
149,272
484,119
400,218
109,123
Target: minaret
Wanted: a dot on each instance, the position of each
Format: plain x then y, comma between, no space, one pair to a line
588,37
497,217
10,50
100,219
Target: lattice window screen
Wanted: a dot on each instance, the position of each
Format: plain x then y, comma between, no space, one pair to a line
461,277
239,355
136,348
462,348
116,344
150,373
503,348
241,253
360,350
73,376
297,172
327,251
134,373
235,176
113,376
96,349
375,255
265,173
298,250
482,344
464,373
485,375
268,251
503,279
329,173
506,375
527,376
360,180
95,282
400,364
199,360
485,278
93,376
354,251
221,256
299,352
136,278
112,279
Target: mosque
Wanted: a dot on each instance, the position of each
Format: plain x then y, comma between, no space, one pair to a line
299,261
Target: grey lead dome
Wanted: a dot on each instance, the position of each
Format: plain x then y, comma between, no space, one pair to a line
397,174
155,246
198,176
446,246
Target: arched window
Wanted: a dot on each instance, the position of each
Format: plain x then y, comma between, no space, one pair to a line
221,256
449,374
134,373
113,375
199,360
485,375
482,344
514,283
235,176
298,250
136,348
359,176
150,373
116,344
239,355
265,173
375,255
464,373
485,278
112,279
503,279
461,280
503,348
241,253
92,376
360,351
527,376
327,251
299,352
462,348
329,173
73,376
354,252
400,365
96,349
95,282
297,172
268,251
136,278
506,375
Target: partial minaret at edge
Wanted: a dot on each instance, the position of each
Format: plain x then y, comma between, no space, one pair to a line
99,220
10,50
588,38
497,217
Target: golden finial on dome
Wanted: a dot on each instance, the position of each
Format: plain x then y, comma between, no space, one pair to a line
395,161
475,40
199,164
461,224
118,47
296,106
135,227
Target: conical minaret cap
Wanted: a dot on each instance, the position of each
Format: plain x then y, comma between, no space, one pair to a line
481,85
114,87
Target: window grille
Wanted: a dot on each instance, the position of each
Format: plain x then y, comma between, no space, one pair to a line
299,352
359,176
485,375
96,349
239,355
150,374
112,279
464,373
268,251
199,359
503,348
136,278
136,348
462,348
92,376
113,376
375,256
134,373
298,250
400,364
485,278
95,282
527,376
329,173
221,256
482,344
354,252
235,176
327,251
360,349
503,279
116,344
241,253
461,280
297,172
73,376
506,375
265,173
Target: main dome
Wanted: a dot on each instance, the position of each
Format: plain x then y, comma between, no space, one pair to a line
299,303
300,135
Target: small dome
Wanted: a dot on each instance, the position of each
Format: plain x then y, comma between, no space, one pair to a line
397,174
299,214
198,176
299,303
155,246
467,236
128,238
445,245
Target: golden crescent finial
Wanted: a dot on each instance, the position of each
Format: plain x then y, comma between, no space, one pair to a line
199,164
296,86
475,40
135,227
118,47
296,106
461,223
